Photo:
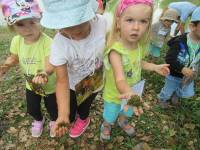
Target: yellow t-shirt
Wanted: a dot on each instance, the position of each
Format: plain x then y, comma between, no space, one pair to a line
32,59
131,61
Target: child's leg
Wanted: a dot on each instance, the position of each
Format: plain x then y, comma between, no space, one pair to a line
51,105
128,111
186,91
84,108
105,131
33,108
110,114
73,106
33,105
82,122
171,84
123,123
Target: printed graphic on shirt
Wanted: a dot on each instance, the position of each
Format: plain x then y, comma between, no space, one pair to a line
90,84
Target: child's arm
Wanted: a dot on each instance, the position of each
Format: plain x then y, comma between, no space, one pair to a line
10,61
162,69
118,72
63,99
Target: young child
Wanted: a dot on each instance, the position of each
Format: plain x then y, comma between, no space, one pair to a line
123,62
161,31
183,57
77,54
30,49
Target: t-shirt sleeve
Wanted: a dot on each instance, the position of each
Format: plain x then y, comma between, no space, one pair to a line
57,55
14,46
47,46
115,48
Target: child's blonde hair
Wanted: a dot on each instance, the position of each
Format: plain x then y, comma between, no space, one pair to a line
114,35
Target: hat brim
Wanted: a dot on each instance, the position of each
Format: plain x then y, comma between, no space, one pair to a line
68,18
166,18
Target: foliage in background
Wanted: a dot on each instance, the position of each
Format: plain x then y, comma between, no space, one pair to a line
164,3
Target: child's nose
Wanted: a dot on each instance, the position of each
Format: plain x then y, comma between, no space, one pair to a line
135,25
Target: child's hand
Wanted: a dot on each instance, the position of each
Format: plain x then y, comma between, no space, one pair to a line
138,110
162,69
61,126
187,72
127,95
40,78
3,69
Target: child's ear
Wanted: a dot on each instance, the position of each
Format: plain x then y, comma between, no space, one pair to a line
191,26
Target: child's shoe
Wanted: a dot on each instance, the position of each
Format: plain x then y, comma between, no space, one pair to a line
37,128
126,127
105,132
175,100
79,127
163,104
51,125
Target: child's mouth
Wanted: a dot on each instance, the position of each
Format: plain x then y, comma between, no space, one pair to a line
134,35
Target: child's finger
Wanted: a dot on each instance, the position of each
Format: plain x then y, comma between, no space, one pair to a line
146,106
135,109
140,110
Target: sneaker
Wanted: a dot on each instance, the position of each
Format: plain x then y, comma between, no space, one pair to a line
175,100
163,104
51,132
79,127
37,128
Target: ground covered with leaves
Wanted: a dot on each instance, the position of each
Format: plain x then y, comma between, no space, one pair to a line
175,128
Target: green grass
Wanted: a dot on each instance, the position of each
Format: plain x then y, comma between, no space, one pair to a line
177,129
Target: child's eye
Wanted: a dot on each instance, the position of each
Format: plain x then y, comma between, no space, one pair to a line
19,24
32,22
144,21
129,20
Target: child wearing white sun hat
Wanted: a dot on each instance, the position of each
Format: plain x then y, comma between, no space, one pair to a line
77,52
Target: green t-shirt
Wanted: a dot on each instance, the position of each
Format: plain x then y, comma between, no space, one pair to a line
32,59
131,60
194,51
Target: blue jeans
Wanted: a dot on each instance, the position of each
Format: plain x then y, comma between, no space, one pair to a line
173,85
113,110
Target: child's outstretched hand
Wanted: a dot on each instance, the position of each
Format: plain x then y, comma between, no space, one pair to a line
40,78
127,95
61,126
3,69
138,111
162,69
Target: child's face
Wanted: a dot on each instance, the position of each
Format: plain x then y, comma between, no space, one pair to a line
77,32
134,22
195,30
167,23
29,29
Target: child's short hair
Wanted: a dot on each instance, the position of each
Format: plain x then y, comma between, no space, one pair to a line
195,23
